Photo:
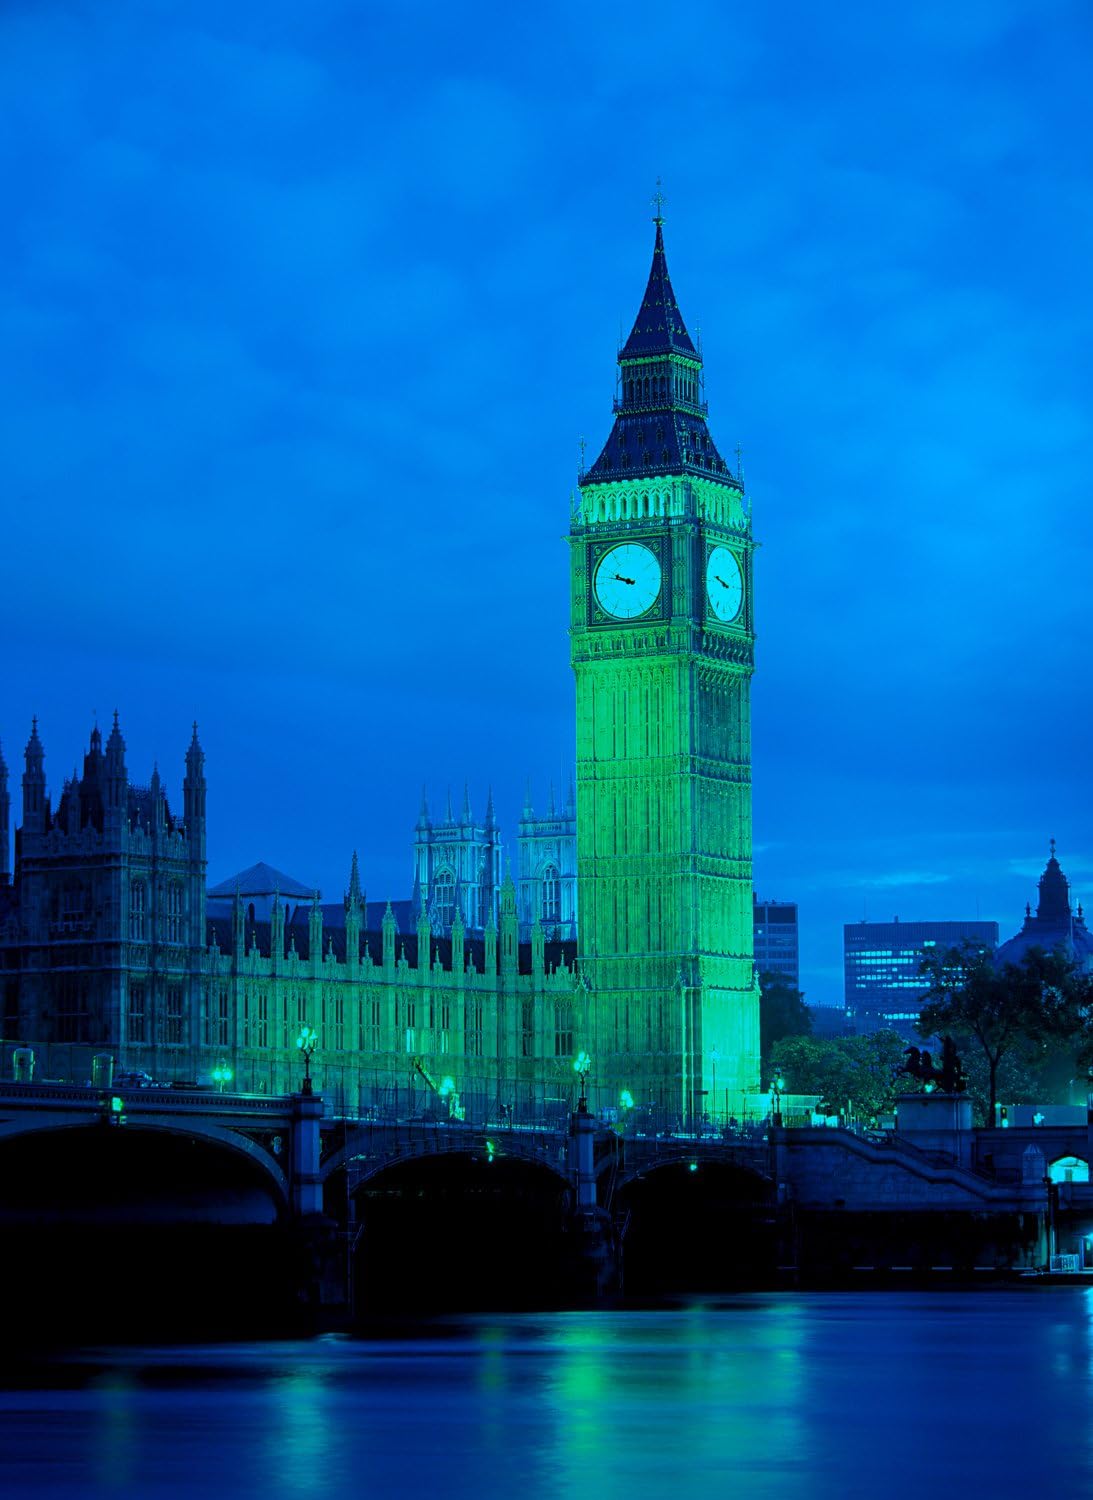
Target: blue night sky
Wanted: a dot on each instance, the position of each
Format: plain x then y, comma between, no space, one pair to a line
304,310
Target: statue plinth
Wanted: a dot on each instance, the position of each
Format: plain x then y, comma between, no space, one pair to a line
939,1123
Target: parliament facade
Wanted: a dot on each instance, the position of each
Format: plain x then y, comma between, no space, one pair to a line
478,985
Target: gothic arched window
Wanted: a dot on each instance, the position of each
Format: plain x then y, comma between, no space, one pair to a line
173,913
444,900
137,928
552,895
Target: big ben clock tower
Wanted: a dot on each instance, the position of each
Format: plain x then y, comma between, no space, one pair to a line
662,650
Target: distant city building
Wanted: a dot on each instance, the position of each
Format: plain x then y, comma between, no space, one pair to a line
884,988
776,947
1055,925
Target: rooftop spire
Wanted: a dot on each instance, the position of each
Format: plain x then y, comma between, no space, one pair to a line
115,745
423,814
660,406
659,327
1054,904
353,895
34,751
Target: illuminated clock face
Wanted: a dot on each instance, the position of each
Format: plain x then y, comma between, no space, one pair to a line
724,584
628,580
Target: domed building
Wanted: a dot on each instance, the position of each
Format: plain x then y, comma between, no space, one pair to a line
1055,925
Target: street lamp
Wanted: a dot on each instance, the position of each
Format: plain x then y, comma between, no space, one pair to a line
715,1058
777,1088
306,1042
582,1066
222,1074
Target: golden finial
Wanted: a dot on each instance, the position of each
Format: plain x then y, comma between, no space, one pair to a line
658,201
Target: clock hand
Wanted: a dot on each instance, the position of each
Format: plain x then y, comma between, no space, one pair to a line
621,579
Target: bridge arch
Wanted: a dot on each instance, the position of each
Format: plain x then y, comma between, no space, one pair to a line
367,1154
695,1222
232,1141
459,1227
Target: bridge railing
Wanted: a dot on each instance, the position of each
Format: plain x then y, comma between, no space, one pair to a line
148,1100
374,1144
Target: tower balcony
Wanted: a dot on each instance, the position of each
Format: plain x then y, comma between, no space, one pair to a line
634,408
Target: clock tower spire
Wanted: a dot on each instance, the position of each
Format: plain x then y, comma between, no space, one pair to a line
662,652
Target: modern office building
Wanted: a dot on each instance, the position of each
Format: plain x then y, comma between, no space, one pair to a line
777,951
881,961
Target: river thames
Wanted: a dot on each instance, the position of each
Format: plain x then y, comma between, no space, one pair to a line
825,1396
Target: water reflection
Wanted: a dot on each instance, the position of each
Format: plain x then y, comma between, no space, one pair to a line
830,1397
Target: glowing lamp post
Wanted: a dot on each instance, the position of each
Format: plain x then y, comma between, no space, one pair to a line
222,1074
777,1088
582,1066
306,1042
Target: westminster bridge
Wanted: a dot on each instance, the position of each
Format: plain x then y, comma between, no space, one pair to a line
427,1203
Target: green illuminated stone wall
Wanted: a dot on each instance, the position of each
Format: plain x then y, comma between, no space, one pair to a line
670,1004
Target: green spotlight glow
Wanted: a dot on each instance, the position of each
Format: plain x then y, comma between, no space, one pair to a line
626,1099
692,1166
117,1105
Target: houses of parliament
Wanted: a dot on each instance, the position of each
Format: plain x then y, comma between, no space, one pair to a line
112,942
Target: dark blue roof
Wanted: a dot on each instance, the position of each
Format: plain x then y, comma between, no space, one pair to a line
665,442
297,933
660,422
658,327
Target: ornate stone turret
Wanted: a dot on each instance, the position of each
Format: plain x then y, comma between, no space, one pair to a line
5,824
509,926
424,936
238,927
35,807
158,810
193,796
315,932
458,951
387,928
277,931
115,781
354,912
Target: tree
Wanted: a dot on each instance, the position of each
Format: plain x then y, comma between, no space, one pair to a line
862,1071
1012,1008
782,1013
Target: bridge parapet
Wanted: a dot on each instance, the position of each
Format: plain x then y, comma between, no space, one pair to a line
836,1168
273,1110
373,1145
